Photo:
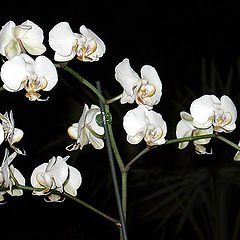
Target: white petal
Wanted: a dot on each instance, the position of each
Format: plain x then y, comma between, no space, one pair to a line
1,134
62,39
182,129
134,123
101,48
97,143
6,36
20,179
160,127
33,46
39,169
59,171
91,119
17,135
228,106
150,74
74,181
202,111
46,69
126,76
61,58
13,72
34,33
12,49
73,131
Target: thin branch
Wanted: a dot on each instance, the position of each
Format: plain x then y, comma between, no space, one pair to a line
112,165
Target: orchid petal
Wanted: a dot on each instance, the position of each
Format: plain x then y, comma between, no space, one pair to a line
33,46
34,32
6,36
202,111
126,76
1,134
39,169
62,39
101,48
74,181
13,72
46,69
150,74
17,135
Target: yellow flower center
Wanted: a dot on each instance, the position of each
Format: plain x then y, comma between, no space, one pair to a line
145,90
33,85
85,50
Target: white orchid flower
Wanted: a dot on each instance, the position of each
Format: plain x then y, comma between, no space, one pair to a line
8,176
87,45
56,175
18,39
141,123
33,75
10,132
146,90
209,110
185,128
87,131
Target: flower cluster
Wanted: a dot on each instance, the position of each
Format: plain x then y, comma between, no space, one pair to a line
55,175
25,67
141,122
207,114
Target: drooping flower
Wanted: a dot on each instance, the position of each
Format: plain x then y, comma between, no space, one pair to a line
55,175
8,175
209,110
185,128
141,123
87,45
87,131
9,132
33,75
146,90
18,39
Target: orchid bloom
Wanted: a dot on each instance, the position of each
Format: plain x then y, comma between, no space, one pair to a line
141,123
87,45
8,176
9,133
146,90
87,131
33,75
27,37
185,128
55,175
209,110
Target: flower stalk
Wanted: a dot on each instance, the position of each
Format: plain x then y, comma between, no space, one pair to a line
67,195
82,80
110,142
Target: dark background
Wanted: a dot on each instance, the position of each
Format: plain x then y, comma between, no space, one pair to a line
195,48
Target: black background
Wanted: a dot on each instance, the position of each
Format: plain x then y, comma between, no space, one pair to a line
179,40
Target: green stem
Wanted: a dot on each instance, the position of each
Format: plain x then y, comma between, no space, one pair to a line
228,142
108,101
179,140
124,194
1,88
188,139
147,149
82,80
91,208
28,188
113,142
